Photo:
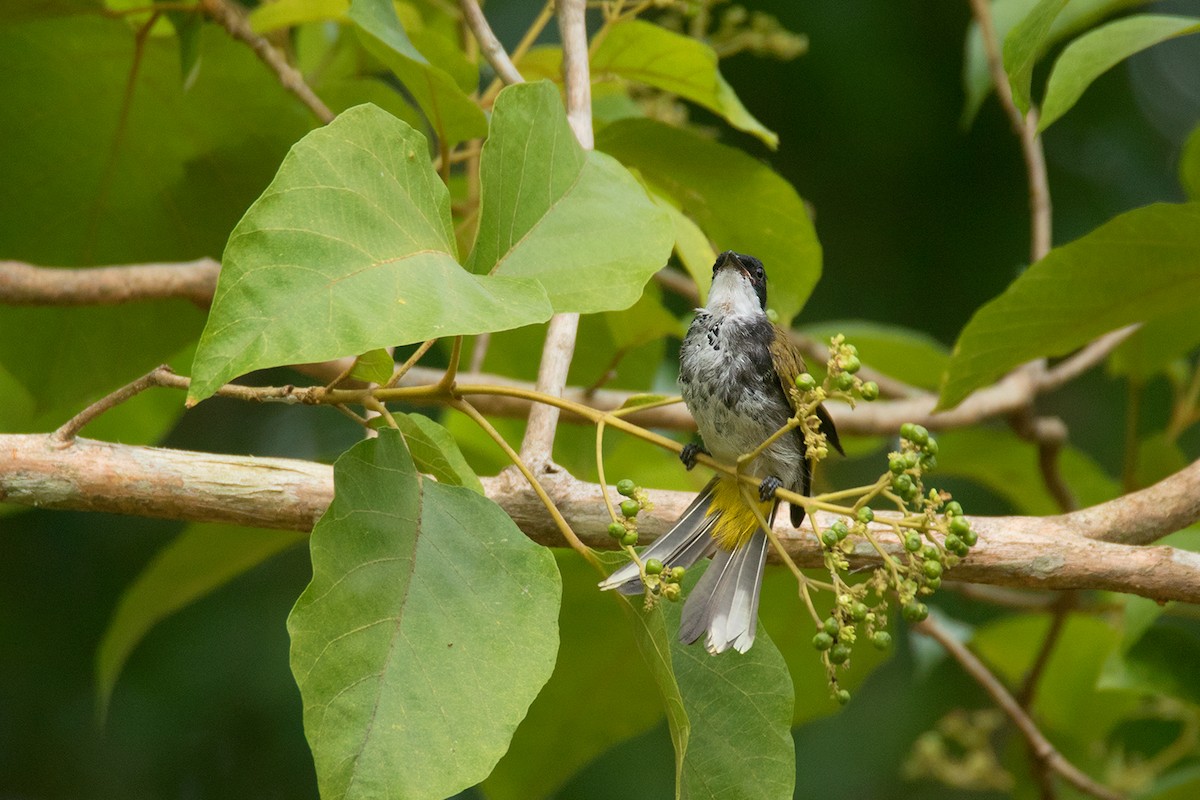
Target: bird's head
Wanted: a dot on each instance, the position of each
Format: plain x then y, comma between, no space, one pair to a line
739,285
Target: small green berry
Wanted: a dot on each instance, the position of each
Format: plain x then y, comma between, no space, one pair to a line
953,509
671,591
902,484
629,539
630,508
969,538
931,553
908,431
931,446
843,381
912,542
954,544
626,487
677,573
915,612
896,464
822,641
866,515
959,526
920,435
829,538
653,566
772,315
842,696
840,530
858,612
851,364
839,653
805,382
932,569
870,391
934,583
928,462
616,530
830,626
881,640
851,349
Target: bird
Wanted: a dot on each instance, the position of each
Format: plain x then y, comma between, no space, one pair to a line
737,372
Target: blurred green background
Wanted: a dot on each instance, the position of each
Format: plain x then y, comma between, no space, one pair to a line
921,222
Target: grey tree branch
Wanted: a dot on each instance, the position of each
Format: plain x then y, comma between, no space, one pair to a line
489,45
560,336
1038,552
25,284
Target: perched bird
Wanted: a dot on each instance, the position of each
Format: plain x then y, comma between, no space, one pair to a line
736,370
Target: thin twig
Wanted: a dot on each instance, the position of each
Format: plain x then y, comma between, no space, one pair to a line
65,435
1045,752
235,23
489,45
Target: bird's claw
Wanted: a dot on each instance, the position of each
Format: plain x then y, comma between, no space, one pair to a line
689,453
766,489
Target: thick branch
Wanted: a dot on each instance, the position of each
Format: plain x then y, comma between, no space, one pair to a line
26,285
1142,517
1035,552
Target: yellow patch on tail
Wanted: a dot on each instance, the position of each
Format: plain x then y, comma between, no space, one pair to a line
736,523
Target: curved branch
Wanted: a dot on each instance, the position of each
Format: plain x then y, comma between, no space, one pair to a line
1044,553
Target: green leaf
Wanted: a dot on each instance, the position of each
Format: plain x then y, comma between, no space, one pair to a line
740,709
641,51
1094,53
600,694
435,451
1157,344
1005,464
1164,660
373,366
1078,15
170,188
1024,44
739,202
198,562
576,221
270,17
903,353
1189,165
645,321
1137,267
692,247
349,249
453,115
22,10
730,715
428,628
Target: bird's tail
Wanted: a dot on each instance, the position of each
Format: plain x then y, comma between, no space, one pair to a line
724,601
689,540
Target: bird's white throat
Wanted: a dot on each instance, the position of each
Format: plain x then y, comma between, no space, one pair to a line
732,295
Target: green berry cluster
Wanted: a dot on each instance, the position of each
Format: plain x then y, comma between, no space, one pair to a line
858,614
658,580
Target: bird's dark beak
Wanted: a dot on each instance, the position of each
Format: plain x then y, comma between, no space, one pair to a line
728,259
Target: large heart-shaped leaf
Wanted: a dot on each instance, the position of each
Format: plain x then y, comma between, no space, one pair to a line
1139,266
349,249
576,221
428,628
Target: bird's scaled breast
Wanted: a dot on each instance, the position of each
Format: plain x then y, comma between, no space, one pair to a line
729,384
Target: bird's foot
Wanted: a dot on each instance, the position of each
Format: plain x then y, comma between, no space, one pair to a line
690,451
766,489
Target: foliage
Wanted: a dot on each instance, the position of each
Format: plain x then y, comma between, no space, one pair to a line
437,648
